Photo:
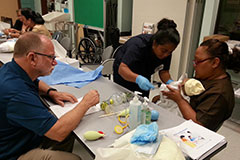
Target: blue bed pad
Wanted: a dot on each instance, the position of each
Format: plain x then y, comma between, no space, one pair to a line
65,74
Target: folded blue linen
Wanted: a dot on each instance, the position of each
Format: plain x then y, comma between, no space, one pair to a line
65,74
145,133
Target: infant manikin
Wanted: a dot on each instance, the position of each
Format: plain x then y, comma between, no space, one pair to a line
191,87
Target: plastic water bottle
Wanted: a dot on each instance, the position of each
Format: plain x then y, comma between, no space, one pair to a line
118,98
115,100
135,112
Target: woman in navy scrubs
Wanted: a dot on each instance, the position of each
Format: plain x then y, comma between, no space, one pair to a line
145,54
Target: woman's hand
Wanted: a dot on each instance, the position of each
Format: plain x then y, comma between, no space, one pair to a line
173,94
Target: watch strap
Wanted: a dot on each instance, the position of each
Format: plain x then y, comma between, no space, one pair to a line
51,89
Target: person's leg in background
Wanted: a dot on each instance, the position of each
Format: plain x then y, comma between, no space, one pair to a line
52,150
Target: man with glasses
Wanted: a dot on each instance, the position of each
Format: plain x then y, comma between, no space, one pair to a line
27,129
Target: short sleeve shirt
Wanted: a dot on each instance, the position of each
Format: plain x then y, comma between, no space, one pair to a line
23,117
40,28
137,54
215,105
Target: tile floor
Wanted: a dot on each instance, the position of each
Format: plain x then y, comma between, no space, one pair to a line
231,131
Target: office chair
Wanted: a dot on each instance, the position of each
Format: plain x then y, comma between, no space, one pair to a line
107,62
107,70
107,53
115,51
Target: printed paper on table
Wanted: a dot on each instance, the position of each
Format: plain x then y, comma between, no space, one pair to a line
193,139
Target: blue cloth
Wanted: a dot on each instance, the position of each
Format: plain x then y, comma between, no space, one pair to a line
68,75
169,81
23,117
145,133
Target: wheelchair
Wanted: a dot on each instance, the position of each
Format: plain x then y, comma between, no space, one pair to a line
91,47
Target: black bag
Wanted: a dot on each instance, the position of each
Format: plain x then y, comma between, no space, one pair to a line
113,36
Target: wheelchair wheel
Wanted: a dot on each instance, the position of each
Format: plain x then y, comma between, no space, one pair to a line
87,51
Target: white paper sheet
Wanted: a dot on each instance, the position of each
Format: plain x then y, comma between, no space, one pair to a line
60,111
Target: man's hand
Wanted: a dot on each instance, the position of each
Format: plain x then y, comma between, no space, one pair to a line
91,98
61,97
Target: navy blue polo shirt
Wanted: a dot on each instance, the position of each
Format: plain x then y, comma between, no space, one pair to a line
137,54
23,118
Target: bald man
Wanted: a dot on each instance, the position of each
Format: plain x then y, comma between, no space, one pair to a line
27,129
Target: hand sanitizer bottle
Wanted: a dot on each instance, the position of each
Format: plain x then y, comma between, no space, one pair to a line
148,116
135,112
145,112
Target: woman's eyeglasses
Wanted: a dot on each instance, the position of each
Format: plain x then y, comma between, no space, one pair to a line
195,62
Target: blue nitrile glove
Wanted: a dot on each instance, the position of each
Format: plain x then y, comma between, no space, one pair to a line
169,81
144,83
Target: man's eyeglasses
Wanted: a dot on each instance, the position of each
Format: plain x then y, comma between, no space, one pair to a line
49,56
195,62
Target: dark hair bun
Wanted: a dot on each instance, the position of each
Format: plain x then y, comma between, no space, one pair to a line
38,18
165,24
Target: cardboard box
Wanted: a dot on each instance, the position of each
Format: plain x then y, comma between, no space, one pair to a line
217,36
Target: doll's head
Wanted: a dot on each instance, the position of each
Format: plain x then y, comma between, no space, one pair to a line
193,87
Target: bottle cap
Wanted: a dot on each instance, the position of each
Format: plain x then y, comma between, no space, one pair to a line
135,98
145,103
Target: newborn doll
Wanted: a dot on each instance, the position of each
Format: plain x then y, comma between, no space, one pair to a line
193,87
190,87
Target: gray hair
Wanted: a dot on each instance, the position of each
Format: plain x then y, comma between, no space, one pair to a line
27,42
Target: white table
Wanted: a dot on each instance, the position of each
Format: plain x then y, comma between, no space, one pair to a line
106,88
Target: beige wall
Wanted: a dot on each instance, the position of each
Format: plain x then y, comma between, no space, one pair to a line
152,11
8,9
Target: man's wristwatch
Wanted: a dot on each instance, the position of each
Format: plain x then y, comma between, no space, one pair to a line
51,89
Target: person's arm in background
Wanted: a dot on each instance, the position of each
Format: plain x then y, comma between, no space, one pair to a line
165,76
14,35
58,97
12,32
